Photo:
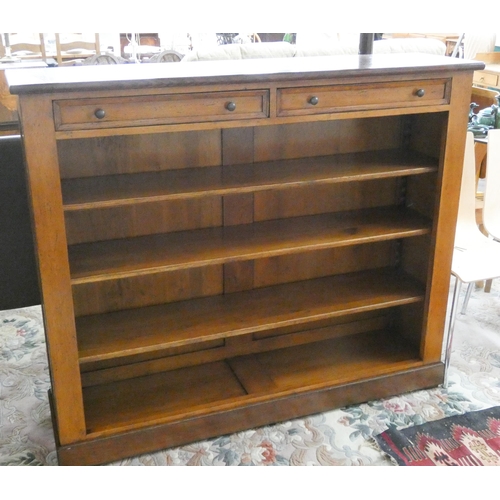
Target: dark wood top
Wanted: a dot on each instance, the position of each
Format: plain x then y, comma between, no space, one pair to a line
136,76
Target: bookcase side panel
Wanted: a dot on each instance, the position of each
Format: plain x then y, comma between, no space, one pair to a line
446,208
50,241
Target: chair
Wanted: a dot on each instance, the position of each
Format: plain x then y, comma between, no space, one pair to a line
166,56
72,48
106,58
475,256
477,43
32,47
491,207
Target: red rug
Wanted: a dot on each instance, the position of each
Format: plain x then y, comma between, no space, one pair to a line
467,440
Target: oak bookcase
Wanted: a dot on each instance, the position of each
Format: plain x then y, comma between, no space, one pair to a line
224,245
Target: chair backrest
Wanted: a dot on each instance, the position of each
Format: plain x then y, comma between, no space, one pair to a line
491,210
31,47
167,56
71,46
466,220
103,59
477,43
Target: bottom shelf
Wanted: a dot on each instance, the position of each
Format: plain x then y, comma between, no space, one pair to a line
235,383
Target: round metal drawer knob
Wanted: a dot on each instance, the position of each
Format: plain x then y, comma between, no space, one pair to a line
100,113
420,93
231,106
314,100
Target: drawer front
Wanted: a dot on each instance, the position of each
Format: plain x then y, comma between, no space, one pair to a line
75,114
335,98
482,78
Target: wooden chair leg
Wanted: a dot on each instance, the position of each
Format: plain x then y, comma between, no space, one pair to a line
487,286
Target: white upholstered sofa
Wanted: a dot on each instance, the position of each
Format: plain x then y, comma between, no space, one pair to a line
327,48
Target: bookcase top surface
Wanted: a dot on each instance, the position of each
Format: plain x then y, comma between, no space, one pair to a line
143,76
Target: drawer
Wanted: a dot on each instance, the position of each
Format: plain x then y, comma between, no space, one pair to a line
334,98
482,78
72,114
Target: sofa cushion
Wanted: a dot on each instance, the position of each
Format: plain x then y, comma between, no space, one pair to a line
330,49
242,51
398,45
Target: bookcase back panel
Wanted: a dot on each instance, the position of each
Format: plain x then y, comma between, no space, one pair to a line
416,255
138,153
421,191
408,321
328,137
142,219
311,200
308,265
428,133
150,289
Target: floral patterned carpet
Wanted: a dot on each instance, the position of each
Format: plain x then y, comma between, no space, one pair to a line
339,437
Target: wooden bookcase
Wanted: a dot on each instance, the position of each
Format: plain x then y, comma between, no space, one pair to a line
225,245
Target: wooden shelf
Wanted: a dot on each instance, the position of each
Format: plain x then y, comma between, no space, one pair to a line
114,335
118,190
206,389
105,260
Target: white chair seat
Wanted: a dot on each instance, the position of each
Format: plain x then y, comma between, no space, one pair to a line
477,262
476,257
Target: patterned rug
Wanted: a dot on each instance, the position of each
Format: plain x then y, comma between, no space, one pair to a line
472,439
340,437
